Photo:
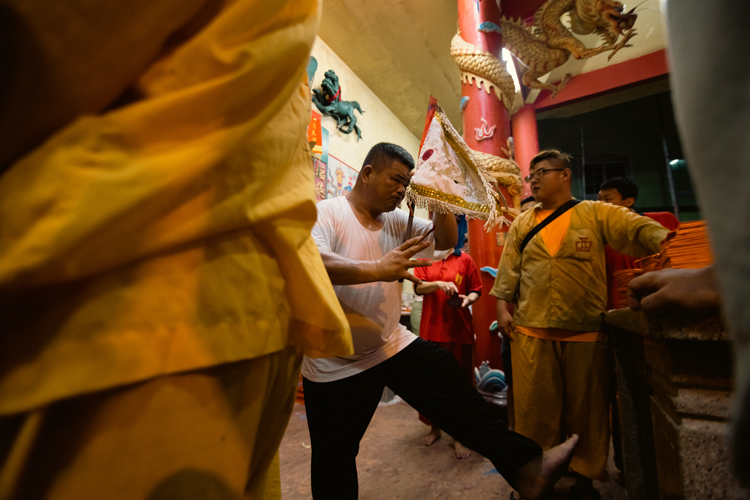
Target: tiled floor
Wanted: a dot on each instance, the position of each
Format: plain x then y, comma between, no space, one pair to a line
393,464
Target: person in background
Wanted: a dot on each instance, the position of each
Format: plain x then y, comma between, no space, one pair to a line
619,191
449,287
624,193
560,358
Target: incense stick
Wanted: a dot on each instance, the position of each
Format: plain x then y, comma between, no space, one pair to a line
425,235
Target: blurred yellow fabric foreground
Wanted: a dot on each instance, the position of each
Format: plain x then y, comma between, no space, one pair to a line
156,202
207,434
171,233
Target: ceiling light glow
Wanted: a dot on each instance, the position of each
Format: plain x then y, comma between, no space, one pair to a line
508,59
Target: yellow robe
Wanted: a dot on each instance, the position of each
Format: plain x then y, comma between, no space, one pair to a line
170,231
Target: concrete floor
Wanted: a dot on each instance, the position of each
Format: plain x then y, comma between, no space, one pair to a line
394,465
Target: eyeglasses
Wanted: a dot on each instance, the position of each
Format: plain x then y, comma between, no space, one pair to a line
540,173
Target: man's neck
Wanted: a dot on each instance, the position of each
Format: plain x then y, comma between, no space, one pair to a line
557,202
360,206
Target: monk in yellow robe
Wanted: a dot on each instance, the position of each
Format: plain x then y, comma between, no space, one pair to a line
158,283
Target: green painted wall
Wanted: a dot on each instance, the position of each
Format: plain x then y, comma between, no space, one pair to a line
635,129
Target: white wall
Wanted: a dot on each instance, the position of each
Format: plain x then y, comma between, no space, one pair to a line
377,123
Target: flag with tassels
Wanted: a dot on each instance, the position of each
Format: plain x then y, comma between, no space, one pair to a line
449,177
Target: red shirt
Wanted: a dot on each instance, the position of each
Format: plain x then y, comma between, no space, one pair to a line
441,322
617,261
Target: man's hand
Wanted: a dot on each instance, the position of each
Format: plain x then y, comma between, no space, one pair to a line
395,264
504,318
468,299
684,291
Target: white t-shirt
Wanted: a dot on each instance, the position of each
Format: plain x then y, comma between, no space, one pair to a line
372,309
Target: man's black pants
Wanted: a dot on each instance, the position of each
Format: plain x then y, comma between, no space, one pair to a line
430,380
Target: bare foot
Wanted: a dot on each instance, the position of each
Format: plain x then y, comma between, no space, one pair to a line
537,477
460,450
431,436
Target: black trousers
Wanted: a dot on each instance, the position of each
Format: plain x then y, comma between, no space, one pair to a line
430,380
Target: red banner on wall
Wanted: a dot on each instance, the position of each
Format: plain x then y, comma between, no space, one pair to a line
315,133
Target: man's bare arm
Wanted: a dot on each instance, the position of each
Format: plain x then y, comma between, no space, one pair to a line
343,271
446,231
393,266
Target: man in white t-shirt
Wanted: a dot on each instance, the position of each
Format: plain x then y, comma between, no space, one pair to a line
360,239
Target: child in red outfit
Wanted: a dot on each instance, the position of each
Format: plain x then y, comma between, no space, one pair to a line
455,278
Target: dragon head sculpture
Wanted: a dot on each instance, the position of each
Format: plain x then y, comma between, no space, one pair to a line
330,86
606,18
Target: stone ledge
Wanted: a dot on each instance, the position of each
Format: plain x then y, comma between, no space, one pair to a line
675,380
693,458
689,402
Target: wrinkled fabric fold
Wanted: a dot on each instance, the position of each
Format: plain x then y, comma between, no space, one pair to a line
172,233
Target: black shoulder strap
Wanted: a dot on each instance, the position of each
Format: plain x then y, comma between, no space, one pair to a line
554,215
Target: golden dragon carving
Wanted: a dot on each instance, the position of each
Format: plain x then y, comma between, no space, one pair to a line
507,173
548,43
482,68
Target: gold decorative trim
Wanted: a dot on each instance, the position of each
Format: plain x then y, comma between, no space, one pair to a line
506,172
449,198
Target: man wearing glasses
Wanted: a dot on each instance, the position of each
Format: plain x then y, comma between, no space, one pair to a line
557,277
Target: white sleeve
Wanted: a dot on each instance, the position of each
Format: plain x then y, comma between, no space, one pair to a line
324,230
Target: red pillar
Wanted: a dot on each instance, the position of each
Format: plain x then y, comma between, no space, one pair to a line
526,140
485,248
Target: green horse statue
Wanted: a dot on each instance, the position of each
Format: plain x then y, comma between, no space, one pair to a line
328,101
